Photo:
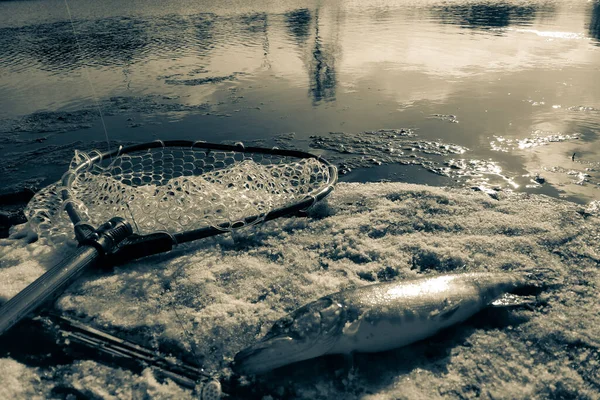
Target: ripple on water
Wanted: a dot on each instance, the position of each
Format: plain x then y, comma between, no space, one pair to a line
122,41
202,80
65,121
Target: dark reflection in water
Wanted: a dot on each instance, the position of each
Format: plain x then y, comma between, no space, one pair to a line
594,27
203,31
298,24
322,69
113,42
488,15
321,62
254,23
54,46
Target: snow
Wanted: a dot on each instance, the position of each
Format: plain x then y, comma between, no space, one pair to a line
211,298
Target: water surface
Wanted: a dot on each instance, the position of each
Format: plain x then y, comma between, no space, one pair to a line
487,94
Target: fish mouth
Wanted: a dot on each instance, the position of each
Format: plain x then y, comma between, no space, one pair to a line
269,354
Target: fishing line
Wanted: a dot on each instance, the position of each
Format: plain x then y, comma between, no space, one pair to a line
87,75
97,103
187,333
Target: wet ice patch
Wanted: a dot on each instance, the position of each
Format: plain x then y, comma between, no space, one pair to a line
561,162
382,147
536,103
538,138
475,173
583,108
445,117
403,146
578,177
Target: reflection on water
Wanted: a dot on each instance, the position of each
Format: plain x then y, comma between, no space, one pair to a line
489,14
333,72
298,23
594,27
322,69
321,62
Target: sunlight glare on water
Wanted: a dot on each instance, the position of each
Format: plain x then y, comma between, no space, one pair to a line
484,76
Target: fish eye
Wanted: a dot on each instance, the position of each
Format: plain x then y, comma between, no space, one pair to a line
280,327
301,322
305,325
308,319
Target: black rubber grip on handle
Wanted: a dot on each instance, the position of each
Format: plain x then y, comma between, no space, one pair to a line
47,287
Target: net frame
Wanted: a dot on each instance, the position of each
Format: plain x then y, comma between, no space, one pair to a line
137,245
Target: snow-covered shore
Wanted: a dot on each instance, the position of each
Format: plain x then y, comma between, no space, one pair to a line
214,297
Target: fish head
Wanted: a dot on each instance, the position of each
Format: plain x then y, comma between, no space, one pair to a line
308,332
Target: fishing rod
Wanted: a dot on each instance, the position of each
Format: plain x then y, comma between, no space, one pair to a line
67,338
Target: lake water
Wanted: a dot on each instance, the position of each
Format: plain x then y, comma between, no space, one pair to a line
487,94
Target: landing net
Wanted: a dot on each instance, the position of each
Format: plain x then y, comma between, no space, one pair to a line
175,189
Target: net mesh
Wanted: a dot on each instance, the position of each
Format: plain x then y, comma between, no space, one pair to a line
176,189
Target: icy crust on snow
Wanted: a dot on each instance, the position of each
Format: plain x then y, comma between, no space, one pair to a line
212,298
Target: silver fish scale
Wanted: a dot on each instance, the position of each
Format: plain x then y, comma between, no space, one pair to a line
395,314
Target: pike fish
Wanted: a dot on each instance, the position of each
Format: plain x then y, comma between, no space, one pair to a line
376,318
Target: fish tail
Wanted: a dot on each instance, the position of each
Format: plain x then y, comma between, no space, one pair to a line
491,286
525,283
538,279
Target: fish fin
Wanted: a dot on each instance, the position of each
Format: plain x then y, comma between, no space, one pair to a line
352,327
513,300
446,311
449,311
